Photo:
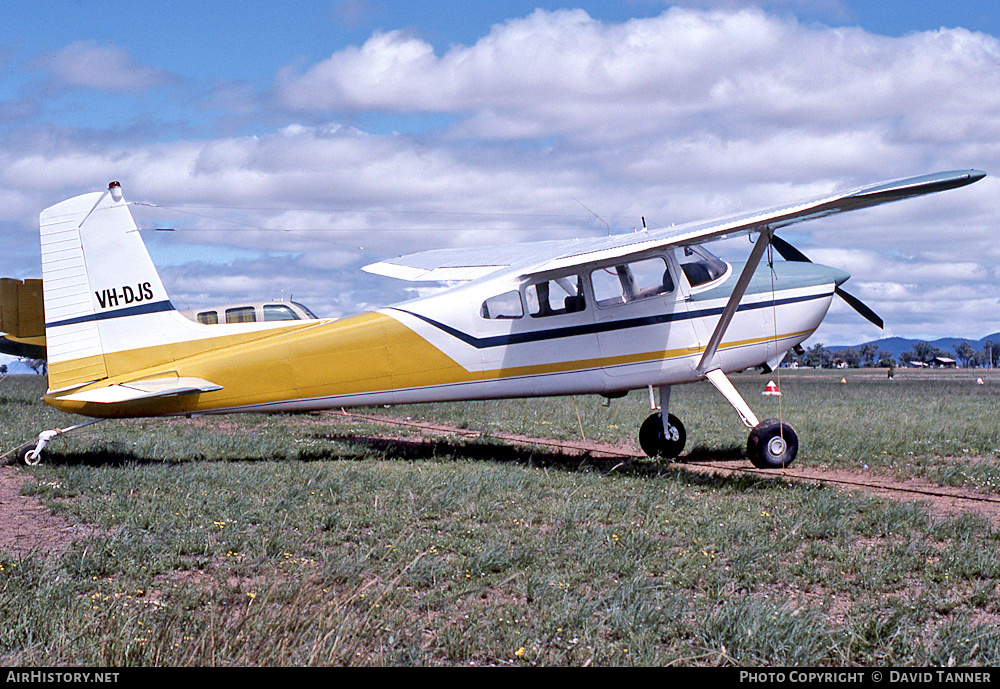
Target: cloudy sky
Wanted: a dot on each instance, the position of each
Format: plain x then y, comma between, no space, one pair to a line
288,145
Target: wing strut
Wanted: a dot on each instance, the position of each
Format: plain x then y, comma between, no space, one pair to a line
708,365
707,362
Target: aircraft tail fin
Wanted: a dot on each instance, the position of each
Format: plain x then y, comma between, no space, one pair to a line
102,293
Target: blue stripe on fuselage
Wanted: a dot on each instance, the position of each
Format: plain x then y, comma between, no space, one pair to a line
155,307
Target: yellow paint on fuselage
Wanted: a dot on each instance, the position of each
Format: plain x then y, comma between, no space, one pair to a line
132,364
38,341
364,353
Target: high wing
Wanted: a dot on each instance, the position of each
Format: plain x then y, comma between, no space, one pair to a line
533,258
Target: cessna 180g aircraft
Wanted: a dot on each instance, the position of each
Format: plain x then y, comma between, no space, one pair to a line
651,309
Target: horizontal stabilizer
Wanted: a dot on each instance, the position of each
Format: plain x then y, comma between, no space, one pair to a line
143,390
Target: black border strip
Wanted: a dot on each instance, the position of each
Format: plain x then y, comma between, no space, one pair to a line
601,327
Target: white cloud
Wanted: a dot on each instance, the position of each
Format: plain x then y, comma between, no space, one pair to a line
688,115
104,68
740,74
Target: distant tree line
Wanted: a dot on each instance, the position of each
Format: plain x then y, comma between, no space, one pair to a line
869,355
36,365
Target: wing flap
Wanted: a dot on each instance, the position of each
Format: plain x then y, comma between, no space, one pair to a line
464,264
438,274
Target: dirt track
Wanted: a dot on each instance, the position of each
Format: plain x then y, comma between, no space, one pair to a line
944,500
30,528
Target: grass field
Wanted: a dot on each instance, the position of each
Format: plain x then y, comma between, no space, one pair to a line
302,540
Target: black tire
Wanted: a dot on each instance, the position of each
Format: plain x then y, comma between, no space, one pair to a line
772,444
654,443
22,452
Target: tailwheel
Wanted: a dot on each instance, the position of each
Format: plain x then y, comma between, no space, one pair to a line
26,455
657,441
772,444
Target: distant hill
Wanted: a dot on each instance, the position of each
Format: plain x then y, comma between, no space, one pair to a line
898,345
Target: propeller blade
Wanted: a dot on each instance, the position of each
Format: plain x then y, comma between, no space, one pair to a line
790,253
861,308
787,251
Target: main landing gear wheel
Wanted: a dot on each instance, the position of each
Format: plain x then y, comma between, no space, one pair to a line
655,443
772,444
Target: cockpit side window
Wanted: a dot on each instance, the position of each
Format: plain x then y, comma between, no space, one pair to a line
506,305
241,314
555,297
632,281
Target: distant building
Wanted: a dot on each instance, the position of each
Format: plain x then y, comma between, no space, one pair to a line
937,362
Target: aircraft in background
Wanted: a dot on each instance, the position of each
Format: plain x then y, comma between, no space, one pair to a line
22,320
254,312
652,309
22,323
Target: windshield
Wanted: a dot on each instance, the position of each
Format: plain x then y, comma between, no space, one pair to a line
306,311
700,265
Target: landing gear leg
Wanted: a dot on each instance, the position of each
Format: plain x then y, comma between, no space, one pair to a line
772,443
662,434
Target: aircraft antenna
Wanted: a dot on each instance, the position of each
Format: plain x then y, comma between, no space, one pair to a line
594,214
774,317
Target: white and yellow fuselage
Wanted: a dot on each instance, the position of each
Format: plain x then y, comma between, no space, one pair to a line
592,316
117,348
